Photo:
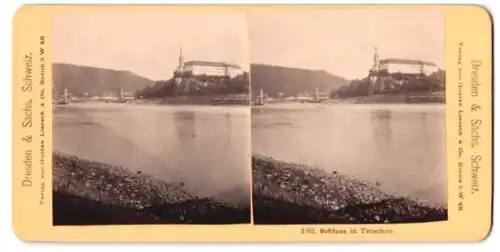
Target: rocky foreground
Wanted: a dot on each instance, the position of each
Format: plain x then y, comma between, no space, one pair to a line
92,193
287,193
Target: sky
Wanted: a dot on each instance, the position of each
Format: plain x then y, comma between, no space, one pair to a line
342,42
148,43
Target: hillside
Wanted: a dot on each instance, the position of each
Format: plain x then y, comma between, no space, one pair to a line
291,81
95,81
394,84
196,86
439,75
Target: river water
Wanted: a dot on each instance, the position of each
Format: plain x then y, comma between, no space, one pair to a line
400,146
205,147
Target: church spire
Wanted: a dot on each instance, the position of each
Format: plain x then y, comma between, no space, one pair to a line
375,57
181,58
180,67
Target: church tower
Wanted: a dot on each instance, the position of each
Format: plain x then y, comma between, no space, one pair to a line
376,60
374,73
180,67
179,72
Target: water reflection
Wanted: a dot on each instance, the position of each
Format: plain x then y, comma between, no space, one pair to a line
229,135
425,131
382,132
185,126
206,149
400,146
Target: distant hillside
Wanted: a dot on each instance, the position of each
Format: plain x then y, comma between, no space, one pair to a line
291,81
95,81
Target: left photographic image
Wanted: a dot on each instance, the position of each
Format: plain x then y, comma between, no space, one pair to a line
151,118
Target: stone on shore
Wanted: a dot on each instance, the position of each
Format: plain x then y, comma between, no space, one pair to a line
345,198
87,183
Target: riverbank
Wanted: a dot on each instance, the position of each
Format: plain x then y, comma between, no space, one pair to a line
411,98
206,100
92,193
288,193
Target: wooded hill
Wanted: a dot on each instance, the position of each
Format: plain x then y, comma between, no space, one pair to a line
95,81
292,81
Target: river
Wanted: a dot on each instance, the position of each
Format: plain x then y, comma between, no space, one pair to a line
205,147
400,146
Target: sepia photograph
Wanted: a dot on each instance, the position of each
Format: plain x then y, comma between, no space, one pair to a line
151,118
348,116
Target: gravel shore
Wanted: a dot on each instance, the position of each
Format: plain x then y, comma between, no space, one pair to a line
84,190
289,193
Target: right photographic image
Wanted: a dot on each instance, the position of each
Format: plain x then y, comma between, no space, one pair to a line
348,116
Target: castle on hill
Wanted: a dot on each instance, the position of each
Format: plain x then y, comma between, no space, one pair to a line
392,71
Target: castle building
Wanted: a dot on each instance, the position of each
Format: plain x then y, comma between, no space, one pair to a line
197,68
403,66
206,68
407,66
383,71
